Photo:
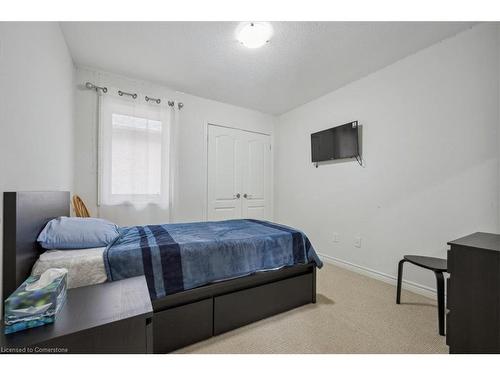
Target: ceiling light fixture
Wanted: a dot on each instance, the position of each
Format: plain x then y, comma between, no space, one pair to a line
254,34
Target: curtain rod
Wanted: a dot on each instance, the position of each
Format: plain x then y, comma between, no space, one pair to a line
171,103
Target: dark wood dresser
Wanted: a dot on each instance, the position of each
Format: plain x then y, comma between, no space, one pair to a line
473,299
114,317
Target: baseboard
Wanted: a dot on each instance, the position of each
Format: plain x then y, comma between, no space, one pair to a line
407,285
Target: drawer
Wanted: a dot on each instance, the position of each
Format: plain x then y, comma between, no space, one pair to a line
448,320
181,326
449,300
449,261
249,305
126,336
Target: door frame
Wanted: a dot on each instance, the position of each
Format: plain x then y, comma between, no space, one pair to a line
205,163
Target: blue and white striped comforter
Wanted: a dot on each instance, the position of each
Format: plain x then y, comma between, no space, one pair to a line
177,257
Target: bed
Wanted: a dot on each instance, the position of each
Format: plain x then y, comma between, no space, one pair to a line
195,309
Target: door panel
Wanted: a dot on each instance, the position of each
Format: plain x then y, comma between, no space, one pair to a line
224,177
239,162
256,177
256,169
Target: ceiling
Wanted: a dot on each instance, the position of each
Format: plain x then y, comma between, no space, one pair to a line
302,61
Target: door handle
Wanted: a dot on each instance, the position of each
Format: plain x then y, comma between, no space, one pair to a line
236,196
247,195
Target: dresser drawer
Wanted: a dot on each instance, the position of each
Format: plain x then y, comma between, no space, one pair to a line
449,260
448,322
449,293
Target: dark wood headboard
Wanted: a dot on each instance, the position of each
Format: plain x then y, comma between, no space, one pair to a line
24,216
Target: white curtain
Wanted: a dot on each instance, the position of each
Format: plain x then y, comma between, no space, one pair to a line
174,159
137,157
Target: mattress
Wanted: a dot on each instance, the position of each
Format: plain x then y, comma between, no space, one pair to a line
85,266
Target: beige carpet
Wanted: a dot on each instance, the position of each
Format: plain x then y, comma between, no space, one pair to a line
353,314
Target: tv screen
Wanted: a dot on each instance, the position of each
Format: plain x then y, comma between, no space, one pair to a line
340,142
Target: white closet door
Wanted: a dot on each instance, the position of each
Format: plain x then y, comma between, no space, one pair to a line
224,173
239,174
256,176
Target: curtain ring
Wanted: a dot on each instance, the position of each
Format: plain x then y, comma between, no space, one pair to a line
121,93
157,101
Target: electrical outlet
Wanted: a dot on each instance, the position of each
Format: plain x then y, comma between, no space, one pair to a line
357,241
336,237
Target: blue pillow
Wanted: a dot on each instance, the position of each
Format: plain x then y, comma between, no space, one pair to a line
66,233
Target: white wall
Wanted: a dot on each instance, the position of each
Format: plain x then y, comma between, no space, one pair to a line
498,54
197,112
36,109
430,141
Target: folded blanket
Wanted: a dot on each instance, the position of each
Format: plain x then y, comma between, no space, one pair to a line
177,257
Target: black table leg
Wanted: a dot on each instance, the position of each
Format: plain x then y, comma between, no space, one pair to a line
400,279
440,297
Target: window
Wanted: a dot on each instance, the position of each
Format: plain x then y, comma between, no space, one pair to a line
135,156
134,153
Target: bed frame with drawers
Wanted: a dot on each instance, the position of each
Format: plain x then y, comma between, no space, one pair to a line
179,319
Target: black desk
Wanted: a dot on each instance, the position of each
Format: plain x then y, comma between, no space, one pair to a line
113,317
474,294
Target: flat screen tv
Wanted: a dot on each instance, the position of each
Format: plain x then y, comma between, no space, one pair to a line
340,142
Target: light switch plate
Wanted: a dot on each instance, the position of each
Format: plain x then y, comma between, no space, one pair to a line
357,241
336,237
